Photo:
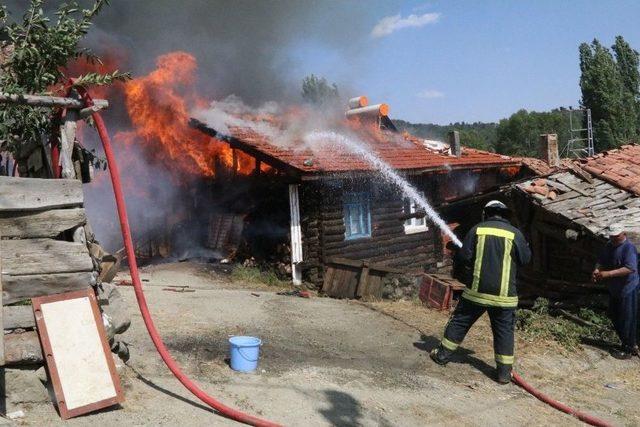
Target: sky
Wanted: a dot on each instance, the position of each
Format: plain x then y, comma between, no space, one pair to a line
449,61
432,61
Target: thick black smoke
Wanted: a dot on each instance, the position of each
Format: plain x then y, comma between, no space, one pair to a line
244,47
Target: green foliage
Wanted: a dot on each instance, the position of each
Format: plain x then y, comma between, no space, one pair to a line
317,90
609,87
475,135
519,134
539,324
35,51
241,273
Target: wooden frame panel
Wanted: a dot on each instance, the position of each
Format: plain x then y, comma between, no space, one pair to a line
52,363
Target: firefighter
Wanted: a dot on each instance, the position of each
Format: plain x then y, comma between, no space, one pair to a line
494,249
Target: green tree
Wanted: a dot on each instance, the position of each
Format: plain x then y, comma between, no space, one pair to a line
477,135
519,134
627,60
605,85
475,139
317,90
35,51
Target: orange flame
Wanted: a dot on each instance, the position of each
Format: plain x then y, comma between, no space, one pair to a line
158,106
158,109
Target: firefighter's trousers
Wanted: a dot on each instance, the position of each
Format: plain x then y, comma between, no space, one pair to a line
502,326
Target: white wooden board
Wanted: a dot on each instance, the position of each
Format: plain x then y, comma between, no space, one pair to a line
75,348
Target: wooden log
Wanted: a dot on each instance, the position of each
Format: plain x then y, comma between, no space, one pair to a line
22,349
397,217
48,101
18,317
331,227
377,254
331,223
366,243
380,232
39,194
18,288
332,215
48,223
44,256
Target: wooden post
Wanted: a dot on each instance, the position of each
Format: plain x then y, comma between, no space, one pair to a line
296,235
67,140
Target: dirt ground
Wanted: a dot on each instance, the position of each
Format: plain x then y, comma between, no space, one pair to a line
338,362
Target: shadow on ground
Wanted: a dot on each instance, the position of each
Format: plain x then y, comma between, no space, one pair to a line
462,355
345,410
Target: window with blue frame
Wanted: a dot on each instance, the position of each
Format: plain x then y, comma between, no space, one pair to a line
357,215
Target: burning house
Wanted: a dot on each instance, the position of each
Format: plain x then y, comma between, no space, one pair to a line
564,214
332,204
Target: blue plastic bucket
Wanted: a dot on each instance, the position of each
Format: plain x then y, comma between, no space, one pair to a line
245,352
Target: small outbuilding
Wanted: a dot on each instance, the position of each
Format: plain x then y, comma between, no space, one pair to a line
565,214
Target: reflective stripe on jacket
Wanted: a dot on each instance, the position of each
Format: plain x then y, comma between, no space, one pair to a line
495,248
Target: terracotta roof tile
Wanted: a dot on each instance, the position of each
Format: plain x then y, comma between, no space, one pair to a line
398,151
619,167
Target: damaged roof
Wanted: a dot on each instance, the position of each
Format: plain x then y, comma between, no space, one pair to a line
594,192
620,167
594,205
401,152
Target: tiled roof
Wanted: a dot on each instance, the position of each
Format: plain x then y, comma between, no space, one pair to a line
400,152
620,167
542,168
594,205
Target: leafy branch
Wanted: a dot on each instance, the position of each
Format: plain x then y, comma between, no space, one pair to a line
34,54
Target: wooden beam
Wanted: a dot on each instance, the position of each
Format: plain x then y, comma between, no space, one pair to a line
39,194
48,101
50,223
43,256
18,288
23,349
18,317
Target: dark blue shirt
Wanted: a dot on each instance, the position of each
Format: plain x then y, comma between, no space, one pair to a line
614,257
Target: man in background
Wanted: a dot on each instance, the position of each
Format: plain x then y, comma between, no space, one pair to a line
617,268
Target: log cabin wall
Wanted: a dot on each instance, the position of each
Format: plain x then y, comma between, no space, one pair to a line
560,267
324,230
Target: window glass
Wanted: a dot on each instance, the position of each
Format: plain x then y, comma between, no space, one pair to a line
413,225
357,215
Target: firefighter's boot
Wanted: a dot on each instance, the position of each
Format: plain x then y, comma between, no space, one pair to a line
441,355
504,373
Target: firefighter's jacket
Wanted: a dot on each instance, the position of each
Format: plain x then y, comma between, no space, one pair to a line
494,249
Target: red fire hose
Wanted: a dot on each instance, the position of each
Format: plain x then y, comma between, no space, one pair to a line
137,284
589,419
